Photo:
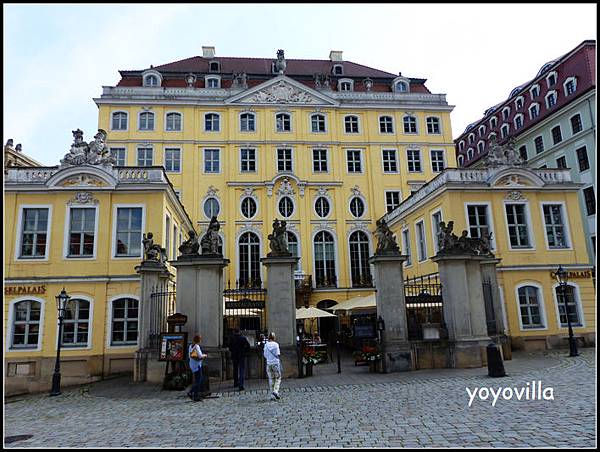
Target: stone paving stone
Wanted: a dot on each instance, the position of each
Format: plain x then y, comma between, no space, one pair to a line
416,409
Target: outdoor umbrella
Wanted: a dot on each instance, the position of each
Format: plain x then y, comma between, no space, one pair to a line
356,302
311,313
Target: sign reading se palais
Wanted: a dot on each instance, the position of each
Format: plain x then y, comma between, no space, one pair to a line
575,275
24,290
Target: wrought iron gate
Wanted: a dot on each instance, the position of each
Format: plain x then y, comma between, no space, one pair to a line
424,304
244,309
162,305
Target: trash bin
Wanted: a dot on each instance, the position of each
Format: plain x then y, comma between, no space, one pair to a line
494,361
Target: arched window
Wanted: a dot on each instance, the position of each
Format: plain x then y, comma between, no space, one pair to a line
386,124
504,130
317,122
213,66
493,122
247,122
212,82
534,91
249,255
480,146
211,207
125,314
286,207
357,207
324,248
26,324
470,153
551,99
345,85
151,80
529,307
338,69
212,122
293,248
173,121
119,120
146,120
410,124
76,325
461,160
461,146
351,124
571,296
360,270
505,113
322,206
401,87
283,122
248,207
534,110
481,130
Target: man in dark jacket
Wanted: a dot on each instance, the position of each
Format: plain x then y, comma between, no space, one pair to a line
238,346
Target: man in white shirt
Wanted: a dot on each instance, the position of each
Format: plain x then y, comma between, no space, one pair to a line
272,354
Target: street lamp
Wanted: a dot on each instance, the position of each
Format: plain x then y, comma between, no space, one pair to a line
61,305
300,331
563,277
381,329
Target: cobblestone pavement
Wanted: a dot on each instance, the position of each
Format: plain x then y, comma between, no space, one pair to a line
354,409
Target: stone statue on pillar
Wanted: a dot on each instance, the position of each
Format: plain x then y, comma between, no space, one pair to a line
278,240
386,242
153,252
211,240
449,243
191,246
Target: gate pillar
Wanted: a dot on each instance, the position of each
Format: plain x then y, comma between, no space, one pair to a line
489,272
281,308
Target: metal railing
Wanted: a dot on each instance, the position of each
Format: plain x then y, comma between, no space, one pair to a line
162,305
424,304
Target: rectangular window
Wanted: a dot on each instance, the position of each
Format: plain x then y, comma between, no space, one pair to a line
523,153
570,87
582,158
386,124
81,232
539,144
34,233
406,244
212,161
534,111
518,122
144,156
390,162
590,200
555,228
351,124
478,220
392,200
517,226
248,160
433,125
353,161
576,125
147,121
320,160
175,245
437,161
421,245
173,159
318,123
167,233
284,160
414,160
556,135
129,231
120,156
529,307
436,219
561,162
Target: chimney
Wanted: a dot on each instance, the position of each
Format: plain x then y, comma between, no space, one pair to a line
335,55
208,52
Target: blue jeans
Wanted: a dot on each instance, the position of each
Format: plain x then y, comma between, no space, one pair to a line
239,370
197,386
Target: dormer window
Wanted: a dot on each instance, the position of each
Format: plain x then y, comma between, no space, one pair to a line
551,99
470,153
212,82
534,91
504,130
493,122
481,130
551,79
345,85
461,146
471,138
519,102
505,113
570,86
518,121
534,110
337,69
461,160
214,66
151,78
400,85
492,136
480,146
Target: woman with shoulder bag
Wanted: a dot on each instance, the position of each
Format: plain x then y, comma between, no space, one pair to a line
195,362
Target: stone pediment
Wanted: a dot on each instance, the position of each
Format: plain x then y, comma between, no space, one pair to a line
281,90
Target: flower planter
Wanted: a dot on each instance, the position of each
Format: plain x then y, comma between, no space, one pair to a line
309,370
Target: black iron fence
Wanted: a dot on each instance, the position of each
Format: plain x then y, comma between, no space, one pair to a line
162,305
424,304
244,309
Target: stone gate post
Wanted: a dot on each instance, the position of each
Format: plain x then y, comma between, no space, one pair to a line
489,271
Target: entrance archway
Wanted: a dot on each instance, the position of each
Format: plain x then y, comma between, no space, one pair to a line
327,325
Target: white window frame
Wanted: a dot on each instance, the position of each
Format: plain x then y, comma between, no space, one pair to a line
548,95
566,227
421,258
242,171
137,154
550,74
507,133
489,219
535,104
156,76
126,129
364,202
289,117
22,207
329,202
253,198
420,160
535,87
416,121
291,198
204,122
8,346
255,117
140,113
66,237
505,113
360,160
114,231
379,124
542,305
207,78
461,146
480,146
444,163
406,248
493,122
310,123
172,148
522,99
205,200
566,82
395,160
336,256
109,325
519,116
326,160
439,125
204,161
291,149
461,160
571,123
529,225
433,229
345,80
470,153
117,160
88,346
578,306
346,117
471,138
386,200
171,112
482,130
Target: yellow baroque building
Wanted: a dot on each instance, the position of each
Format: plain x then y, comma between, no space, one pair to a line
534,220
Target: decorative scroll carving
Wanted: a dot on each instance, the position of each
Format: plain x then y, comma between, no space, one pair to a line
515,195
282,92
285,188
210,241
386,242
153,252
83,197
278,239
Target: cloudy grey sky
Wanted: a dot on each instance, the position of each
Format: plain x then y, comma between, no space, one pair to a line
58,57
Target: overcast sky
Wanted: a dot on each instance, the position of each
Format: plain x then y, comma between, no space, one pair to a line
58,57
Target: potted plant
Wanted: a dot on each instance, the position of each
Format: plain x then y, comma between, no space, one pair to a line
372,355
309,358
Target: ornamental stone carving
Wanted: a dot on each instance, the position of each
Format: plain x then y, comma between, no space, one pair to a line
280,64
515,195
278,240
153,252
502,155
94,153
386,242
282,92
84,197
449,243
191,246
210,241
285,188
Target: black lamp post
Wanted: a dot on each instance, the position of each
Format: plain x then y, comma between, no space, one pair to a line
563,277
61,305
300,331
381,329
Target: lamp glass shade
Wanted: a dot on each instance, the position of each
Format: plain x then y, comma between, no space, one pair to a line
561,275
61,300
